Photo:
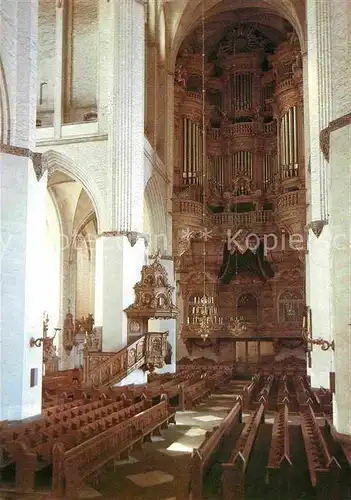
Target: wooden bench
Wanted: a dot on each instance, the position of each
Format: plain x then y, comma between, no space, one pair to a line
233,472
202,458
343,441
33,456
264,394
72,467
193,394
324,469
250,390
279,460
283,393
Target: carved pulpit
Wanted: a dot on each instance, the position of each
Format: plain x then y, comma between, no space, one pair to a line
153,300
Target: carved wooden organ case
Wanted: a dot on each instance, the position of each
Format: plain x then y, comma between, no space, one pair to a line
255,178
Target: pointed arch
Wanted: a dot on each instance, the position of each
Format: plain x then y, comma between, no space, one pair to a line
58,161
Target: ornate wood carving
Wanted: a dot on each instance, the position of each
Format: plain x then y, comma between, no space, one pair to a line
153,295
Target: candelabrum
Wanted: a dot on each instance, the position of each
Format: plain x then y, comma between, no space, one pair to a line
204,316
325,345
40,340
237,325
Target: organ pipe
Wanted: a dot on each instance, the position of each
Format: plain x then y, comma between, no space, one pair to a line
192,152
289,144
241,92
269,168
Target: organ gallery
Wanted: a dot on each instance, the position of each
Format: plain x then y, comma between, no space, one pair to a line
175,264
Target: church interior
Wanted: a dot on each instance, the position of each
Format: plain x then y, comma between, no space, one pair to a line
175,181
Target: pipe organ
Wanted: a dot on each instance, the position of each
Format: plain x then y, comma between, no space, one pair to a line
241,92
216,170
289,158
192,152
269,169
254,174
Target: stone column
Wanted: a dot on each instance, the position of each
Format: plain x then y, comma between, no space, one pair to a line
104,95
120,249
60,7
339,132
22,218
317,115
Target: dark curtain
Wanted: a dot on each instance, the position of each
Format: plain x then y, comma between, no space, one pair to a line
249,261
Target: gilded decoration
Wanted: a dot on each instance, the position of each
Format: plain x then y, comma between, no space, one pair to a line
153,295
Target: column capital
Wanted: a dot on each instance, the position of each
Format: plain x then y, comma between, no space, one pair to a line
38,159
132,236
324,137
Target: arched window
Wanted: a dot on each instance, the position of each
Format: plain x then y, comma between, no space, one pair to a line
247,307
290,307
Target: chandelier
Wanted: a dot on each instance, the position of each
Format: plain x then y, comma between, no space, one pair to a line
237,325
204,316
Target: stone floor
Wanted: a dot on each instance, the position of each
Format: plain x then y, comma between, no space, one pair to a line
160,470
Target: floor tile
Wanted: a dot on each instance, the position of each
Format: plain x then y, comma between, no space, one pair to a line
157,439
208,418
219,408
89,492
131,460
195,431
152,478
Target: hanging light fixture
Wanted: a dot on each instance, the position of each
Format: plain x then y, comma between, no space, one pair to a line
204,316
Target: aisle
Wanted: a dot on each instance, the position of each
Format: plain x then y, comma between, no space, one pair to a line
160,470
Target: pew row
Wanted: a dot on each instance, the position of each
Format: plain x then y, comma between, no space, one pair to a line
202,458
72,467
279,460
324,469
233,472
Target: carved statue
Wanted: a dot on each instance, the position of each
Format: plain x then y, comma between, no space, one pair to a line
180,76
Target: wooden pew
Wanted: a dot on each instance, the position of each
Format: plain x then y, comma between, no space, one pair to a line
250,390
202,458
233,472
72,467
279,464
33,456
263,395
324,469
343,441
283,393
193,394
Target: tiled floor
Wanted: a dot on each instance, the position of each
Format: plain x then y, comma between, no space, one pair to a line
160,470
